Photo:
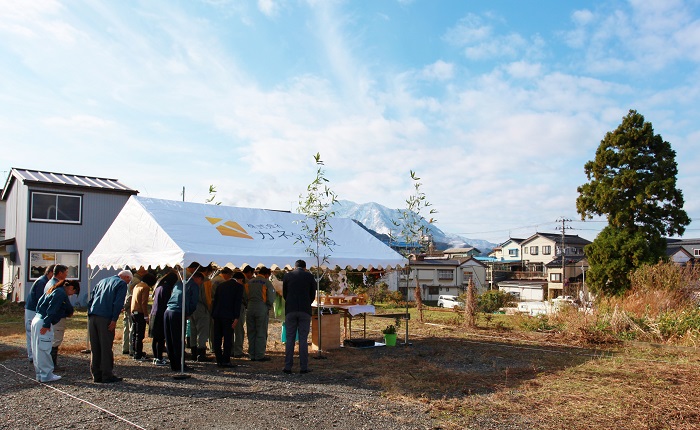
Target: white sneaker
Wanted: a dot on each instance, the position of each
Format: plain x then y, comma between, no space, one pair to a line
53,378
159,362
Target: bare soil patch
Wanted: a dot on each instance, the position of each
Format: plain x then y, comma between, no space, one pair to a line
448,378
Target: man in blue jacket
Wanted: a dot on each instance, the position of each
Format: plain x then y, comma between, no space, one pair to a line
104,308
30,306
173,317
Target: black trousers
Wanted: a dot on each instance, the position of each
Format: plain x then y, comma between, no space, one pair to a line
157,333
222,333
173,337
138,332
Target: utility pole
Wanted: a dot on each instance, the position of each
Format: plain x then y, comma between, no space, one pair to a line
563,248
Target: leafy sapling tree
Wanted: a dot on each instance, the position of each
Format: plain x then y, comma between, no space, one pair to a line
631,181
316,226
212,196
413,230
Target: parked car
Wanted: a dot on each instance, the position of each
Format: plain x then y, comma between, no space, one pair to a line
447,301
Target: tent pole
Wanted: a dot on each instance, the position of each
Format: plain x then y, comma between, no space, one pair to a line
182,374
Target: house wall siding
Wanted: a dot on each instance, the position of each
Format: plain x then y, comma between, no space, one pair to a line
16,227
99,208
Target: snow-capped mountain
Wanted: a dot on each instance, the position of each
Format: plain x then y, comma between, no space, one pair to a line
378,218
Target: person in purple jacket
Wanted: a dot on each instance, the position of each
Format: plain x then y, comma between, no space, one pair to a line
156,327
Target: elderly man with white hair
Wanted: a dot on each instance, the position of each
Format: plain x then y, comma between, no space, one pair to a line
104,308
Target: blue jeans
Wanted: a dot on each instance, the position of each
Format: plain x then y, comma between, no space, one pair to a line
297,322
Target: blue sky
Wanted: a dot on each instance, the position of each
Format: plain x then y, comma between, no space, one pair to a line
497,105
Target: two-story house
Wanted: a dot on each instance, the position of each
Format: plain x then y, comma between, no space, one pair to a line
683,251
539,254
55,218
438,276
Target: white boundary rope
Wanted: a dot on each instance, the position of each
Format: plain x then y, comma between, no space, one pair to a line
76,398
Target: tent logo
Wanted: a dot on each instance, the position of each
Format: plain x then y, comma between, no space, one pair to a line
229,228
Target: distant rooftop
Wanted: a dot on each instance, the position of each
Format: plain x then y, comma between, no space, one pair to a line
80,181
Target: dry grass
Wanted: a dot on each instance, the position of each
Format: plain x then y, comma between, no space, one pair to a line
487,378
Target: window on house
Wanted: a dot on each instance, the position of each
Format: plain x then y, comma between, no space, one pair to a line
40,260
51,207
434,291
525,250
513,252
533,250
546,250
468,276
426,274
555,277
445,275
696,252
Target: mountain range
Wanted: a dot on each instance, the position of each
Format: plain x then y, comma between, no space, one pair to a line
378,219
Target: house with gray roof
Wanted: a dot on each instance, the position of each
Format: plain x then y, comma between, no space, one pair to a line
54,218
683,251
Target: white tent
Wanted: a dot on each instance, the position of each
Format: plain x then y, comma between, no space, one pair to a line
154,232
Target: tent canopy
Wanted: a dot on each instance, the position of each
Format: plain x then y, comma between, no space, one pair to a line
155,232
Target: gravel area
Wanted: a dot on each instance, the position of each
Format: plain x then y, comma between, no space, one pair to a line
251,396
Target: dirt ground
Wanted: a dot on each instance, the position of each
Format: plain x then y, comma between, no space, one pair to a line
448,378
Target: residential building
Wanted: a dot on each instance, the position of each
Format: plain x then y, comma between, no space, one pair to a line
683,251
443,276
55,218
538,255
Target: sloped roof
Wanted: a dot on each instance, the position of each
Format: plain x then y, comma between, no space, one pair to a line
571,260
515,240
435,262
571,239
28,176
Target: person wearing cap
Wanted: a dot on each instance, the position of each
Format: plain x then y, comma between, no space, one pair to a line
104,308
30,306
51,308
239,331
60,273
258,298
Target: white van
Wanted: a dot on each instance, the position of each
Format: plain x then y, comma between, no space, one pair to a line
448,301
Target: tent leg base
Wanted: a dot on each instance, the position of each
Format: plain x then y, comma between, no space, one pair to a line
181,376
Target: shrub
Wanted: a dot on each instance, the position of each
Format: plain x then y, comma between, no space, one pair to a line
492,300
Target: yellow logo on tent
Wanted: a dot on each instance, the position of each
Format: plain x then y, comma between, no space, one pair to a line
229,228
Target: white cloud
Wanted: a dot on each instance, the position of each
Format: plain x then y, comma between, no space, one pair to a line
268,7
480,40
79,122
439,70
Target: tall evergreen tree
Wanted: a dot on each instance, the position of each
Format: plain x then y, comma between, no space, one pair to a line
631,181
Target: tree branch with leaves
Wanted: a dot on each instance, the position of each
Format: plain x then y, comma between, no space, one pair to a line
413,229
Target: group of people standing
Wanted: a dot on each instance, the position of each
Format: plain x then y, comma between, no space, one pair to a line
217,308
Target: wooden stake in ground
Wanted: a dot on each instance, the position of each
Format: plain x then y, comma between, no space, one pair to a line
470,306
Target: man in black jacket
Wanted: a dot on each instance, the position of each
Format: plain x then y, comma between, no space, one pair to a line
298,289
225,312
